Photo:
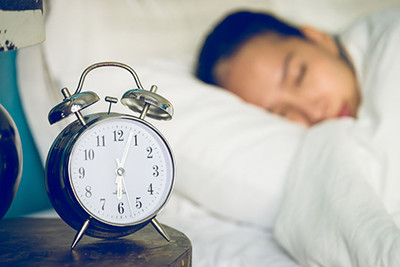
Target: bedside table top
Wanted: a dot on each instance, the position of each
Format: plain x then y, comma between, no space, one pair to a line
46,242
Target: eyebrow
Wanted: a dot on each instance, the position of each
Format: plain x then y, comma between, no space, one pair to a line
285,66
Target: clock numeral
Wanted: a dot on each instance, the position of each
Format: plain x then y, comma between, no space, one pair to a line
138,203
150,152
150,189
121,209
101,140
89,154
81,172
155,171
88,192
118,135
103,203
135,139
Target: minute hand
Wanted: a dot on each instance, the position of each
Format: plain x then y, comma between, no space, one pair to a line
126,150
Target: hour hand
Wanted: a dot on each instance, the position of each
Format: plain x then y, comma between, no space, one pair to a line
118,181
120,172
121,184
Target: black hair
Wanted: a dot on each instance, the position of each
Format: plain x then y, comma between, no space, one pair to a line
231,33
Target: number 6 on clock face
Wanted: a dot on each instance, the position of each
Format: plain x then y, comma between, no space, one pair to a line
120,171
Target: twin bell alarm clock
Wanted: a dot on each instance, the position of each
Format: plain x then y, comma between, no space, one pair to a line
109,174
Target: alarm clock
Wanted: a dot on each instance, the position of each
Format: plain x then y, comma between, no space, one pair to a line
109,174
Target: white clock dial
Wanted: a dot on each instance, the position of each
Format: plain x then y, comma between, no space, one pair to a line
121,171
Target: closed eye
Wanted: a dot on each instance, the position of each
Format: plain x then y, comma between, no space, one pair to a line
302,72
285,68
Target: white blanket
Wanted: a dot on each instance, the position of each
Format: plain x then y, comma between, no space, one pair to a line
342,201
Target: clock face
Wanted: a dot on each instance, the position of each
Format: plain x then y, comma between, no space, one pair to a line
121,171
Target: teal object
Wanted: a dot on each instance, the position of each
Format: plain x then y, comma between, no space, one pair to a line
10,159
31,196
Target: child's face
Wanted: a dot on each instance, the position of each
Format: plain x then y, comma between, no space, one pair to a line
302,80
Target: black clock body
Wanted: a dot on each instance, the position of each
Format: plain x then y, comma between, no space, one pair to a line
59,187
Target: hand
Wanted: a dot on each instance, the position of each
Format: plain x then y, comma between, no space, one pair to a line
126,150
121,182
120,166
118,181
120,172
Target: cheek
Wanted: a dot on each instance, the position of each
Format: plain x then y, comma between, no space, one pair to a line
329,80
253,87
253,94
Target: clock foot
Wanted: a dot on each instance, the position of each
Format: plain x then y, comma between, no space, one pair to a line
80,234
160,229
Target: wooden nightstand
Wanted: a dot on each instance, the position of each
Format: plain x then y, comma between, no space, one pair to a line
46,242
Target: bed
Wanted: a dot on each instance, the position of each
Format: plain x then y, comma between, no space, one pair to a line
228,153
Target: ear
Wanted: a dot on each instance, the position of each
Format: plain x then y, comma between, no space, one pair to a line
320,38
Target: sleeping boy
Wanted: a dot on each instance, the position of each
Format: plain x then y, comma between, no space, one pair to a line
301,73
